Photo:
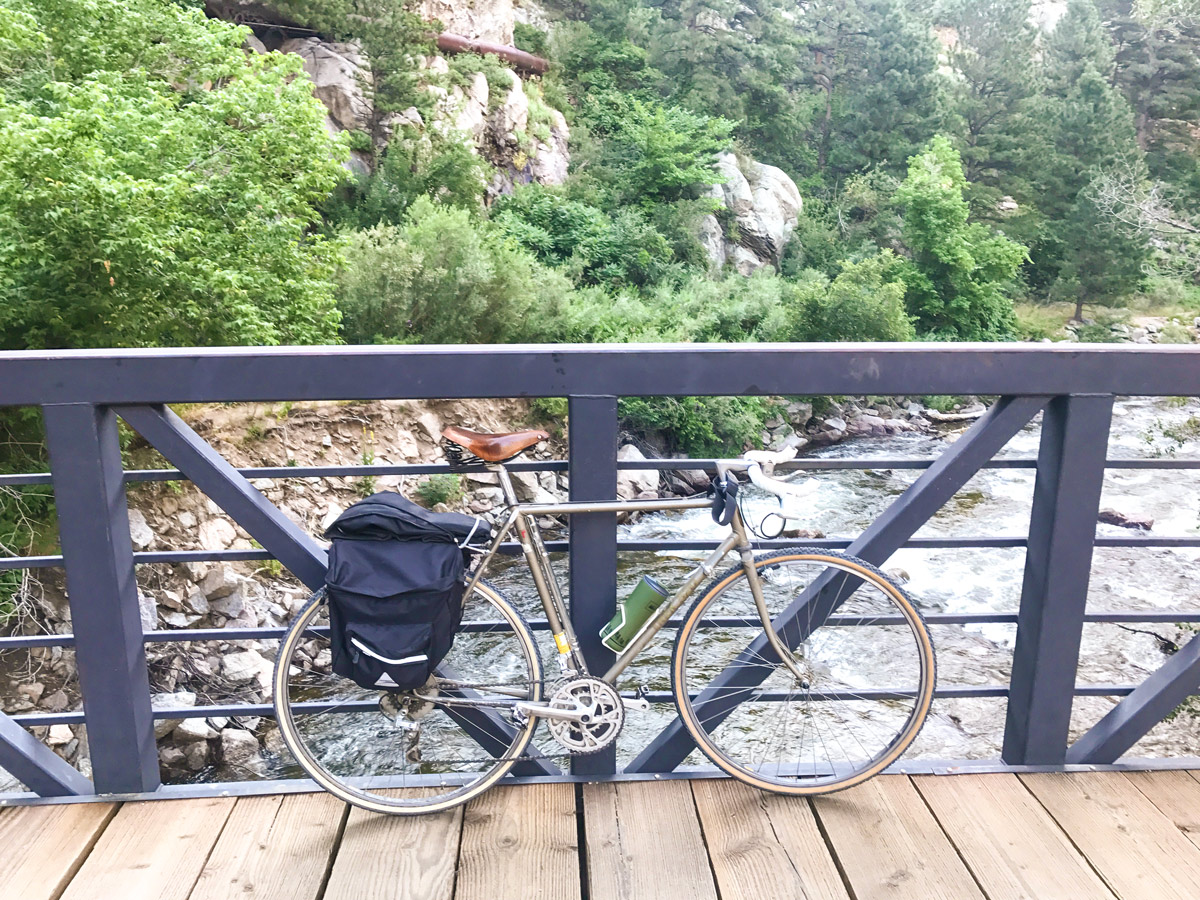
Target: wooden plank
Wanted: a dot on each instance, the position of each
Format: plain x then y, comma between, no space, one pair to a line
1015,850
153,850
44,846
273,848
396,857
762,845
1177,796
644,840
520,842
1134,847
888,843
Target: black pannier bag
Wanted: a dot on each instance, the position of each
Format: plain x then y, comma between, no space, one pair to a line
395,587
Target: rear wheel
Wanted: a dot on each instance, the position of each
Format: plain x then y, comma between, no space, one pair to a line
397,752
853,697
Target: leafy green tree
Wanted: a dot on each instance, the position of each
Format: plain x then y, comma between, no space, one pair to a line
743,60
156,186
958,271
657,154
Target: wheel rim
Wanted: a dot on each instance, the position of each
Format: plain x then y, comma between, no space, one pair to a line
340,736
864,690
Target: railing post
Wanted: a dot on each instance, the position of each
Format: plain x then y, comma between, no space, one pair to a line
1058,562
592,452
93,523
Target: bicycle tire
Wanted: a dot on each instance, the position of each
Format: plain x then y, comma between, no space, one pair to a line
398,793
821,656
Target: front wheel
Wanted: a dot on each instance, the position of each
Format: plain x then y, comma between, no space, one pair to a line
850,699
396,752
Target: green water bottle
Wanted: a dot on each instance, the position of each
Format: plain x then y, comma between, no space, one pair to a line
632,614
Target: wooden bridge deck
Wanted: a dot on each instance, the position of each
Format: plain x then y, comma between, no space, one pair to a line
995,836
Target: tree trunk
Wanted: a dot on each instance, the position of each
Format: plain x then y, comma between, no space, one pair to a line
1078,317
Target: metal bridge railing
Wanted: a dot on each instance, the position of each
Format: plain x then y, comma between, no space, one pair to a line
83,393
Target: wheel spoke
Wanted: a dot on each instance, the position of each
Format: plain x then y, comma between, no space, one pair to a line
858,695
372,755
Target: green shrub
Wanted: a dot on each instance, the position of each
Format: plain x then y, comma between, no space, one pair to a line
1174,333
443,488
442,277
439,165
698,426
865,302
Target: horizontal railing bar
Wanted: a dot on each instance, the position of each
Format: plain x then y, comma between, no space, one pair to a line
807,464
186,635
514,549
32,720
209,375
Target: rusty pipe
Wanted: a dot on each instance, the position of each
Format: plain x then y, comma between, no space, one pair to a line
457,43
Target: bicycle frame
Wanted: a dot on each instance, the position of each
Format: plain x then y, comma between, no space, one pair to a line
523,518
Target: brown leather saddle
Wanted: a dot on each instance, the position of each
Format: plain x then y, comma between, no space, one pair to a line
493,447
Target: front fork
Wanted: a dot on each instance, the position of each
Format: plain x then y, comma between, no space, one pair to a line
785,654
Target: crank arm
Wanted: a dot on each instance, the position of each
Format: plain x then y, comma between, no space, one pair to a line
545,711
639,703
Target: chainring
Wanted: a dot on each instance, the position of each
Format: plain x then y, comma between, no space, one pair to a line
602,710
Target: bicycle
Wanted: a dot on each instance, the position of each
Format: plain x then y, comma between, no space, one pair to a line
796,671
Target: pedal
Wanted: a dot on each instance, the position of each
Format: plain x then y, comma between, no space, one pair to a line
638,701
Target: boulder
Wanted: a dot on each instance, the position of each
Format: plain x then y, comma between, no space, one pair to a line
148,610
473,107
177,700
246,666
240,748
219,582
248,10
632,482
190,731
217,534
196,755
712,239
764,204
338,73
484,20
139,531
552,158
511,117
1124,520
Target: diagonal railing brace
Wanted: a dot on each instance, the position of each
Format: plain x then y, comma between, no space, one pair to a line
279,535
954,468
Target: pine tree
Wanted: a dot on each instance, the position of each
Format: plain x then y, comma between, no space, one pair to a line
1158,70
875,71
992,53
1087,128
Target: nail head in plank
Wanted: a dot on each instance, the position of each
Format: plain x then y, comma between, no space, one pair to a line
396,857
153,850
1010,843
273,848
763,845
1135,848
644,840
889,844
45,845
520,843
